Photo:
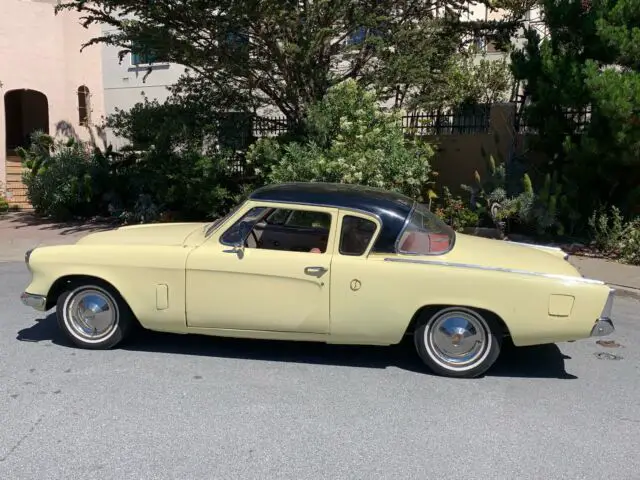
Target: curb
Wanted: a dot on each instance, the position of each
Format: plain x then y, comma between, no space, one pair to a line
623,292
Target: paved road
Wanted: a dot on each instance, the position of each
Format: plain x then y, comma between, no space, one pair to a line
190,407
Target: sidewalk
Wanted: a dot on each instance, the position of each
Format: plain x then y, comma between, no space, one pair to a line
20,232
624,278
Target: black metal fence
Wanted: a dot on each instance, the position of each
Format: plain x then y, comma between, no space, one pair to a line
461,121
240,130
441,122
577,118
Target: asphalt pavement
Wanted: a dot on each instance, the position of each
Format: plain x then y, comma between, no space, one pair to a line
188,407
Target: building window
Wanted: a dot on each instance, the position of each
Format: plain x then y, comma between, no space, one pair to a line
138,57
357,37
235,45
84,106
360,34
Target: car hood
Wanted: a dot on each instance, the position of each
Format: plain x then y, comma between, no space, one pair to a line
486,252
162,234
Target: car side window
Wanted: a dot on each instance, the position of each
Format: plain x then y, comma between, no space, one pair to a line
232,235
356,234
278,217
309,219
293,230
289,230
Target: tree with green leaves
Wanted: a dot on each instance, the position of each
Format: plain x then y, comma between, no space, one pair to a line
582,87
287,54
350,140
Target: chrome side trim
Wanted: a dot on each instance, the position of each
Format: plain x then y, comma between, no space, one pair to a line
37,302
497,269
543,248
539,247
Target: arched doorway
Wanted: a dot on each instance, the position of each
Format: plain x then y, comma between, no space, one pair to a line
26,111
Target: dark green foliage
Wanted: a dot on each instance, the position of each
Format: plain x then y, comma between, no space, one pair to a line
174,175
173,162
4,205
65,179
287,55
244,55
589,62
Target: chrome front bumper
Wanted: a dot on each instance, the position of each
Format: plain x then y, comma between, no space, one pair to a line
604,324
37,302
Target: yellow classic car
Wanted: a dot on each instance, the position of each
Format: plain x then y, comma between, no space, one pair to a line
321,262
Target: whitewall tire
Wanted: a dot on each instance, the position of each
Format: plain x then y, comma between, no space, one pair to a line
458,341
93,315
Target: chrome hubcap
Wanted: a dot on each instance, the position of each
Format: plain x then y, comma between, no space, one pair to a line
92,313
457,338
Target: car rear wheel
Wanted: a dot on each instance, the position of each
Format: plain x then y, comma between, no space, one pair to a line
94,316
458,342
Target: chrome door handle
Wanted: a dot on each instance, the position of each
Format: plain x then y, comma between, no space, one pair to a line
315,271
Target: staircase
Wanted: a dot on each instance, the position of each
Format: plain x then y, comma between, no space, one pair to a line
16,191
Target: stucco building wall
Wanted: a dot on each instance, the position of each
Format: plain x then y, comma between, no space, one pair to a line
40,51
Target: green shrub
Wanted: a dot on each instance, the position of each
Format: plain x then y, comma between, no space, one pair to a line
629,244
350,139
607,230
173,168
188,184
455,212
4,205
64,178
614,237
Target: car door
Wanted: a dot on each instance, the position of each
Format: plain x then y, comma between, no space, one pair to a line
263,286
362,302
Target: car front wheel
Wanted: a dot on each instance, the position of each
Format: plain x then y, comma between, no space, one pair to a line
458,342
93,316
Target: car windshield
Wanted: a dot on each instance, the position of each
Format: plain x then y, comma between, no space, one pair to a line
211,227
425,234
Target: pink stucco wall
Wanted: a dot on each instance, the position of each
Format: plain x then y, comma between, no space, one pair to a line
41,51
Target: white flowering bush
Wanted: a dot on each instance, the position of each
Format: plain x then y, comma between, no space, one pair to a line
350,139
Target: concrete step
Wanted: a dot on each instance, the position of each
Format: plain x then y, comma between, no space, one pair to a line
16,191
15,169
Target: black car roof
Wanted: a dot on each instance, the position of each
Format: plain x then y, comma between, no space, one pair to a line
392,208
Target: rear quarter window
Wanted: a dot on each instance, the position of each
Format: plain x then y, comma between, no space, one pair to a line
425,234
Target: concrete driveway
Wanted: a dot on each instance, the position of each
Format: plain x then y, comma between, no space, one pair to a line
170,406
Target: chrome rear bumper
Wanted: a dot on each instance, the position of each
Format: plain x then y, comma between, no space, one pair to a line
604,324
37,302
602,328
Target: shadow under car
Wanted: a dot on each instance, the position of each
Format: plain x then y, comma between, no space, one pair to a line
543,361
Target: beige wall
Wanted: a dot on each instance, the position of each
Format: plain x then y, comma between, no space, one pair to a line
41,51
460,155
